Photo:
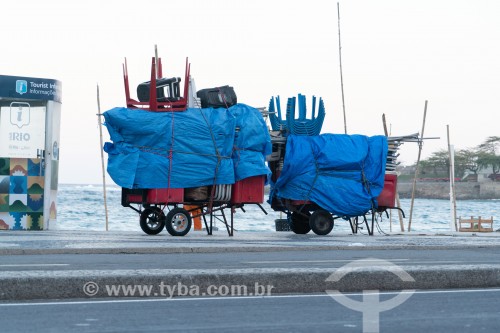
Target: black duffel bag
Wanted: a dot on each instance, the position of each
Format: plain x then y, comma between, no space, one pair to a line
219,97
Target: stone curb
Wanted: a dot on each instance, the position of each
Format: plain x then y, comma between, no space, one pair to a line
224,249
36,285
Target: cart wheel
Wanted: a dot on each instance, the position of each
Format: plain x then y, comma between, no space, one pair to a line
300,223
321,222
152,220
178,222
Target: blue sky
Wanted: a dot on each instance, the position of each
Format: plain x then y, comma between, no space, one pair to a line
395,55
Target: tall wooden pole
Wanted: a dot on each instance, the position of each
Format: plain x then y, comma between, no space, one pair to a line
386,132
351,220
400,214
341,76
453,202
420,142
102,157
398,203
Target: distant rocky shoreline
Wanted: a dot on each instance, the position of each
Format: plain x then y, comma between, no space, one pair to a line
441,190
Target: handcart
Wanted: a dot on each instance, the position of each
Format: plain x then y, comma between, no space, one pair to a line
304,216
170,206
165,208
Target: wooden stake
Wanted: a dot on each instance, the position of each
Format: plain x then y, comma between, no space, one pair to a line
398,203
341,76
453,201
386,132
102,156
420,142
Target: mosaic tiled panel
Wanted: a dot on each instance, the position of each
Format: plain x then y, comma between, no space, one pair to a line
21,194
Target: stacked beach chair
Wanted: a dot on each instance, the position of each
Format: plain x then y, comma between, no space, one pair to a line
301,125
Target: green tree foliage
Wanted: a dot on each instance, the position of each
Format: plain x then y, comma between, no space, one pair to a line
437,164
489,154
468,160
491,145
484,156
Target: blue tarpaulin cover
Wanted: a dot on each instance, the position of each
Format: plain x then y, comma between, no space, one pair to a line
192,148
340,173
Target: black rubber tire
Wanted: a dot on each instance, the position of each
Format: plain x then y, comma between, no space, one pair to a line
178,222
152,220
300,223
321,222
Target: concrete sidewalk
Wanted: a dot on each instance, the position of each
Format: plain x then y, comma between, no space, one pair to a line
360,275
87,242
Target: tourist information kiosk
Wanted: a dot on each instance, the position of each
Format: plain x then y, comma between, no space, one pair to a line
30,115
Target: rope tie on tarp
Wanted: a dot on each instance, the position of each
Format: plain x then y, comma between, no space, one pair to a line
170,158
169,153
238,155
316,175
219,159
236,150
223,96
367,185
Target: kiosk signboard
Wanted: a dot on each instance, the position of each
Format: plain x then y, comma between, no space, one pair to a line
30,113
22,130
20,87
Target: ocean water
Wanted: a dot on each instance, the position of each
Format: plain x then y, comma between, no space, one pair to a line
81,207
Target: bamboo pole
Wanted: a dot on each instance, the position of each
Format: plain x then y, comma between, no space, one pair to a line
351,220
387,135
453,202
386,132
420,142
400,214
102,157
341,76
398,203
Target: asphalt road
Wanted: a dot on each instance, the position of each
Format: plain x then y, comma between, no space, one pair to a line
424,311
279,259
